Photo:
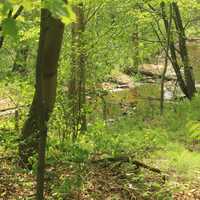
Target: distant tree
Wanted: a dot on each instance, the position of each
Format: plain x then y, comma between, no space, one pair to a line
186,81
182,39
77,96
178,54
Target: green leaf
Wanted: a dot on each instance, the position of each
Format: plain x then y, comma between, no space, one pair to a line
60,10
9,27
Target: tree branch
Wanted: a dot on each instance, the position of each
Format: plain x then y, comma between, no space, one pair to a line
93,13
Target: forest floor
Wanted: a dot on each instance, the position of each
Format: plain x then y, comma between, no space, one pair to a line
95,181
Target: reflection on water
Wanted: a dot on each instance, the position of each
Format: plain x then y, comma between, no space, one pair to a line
120,102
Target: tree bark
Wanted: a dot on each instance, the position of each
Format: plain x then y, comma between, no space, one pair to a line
188,71
47,61
168,24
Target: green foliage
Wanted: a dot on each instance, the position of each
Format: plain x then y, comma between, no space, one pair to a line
143,133
177,157
193,129
9,27
68,185
120,139
125,138
60,10
188,116
68,151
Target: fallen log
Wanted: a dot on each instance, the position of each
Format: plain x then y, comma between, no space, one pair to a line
11,110
14,108
126,159
121,159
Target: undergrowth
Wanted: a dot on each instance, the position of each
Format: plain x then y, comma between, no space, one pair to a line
169,143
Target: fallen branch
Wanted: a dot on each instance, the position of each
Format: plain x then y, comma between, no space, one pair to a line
14,108
125,159
11,111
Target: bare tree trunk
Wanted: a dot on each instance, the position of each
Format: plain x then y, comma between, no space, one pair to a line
188,71
77,83
135,38
168,35
51,34
186,83
133,68
44,98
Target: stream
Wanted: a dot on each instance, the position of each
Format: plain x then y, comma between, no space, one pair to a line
120,100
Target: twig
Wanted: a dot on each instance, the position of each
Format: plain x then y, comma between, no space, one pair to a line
93,13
